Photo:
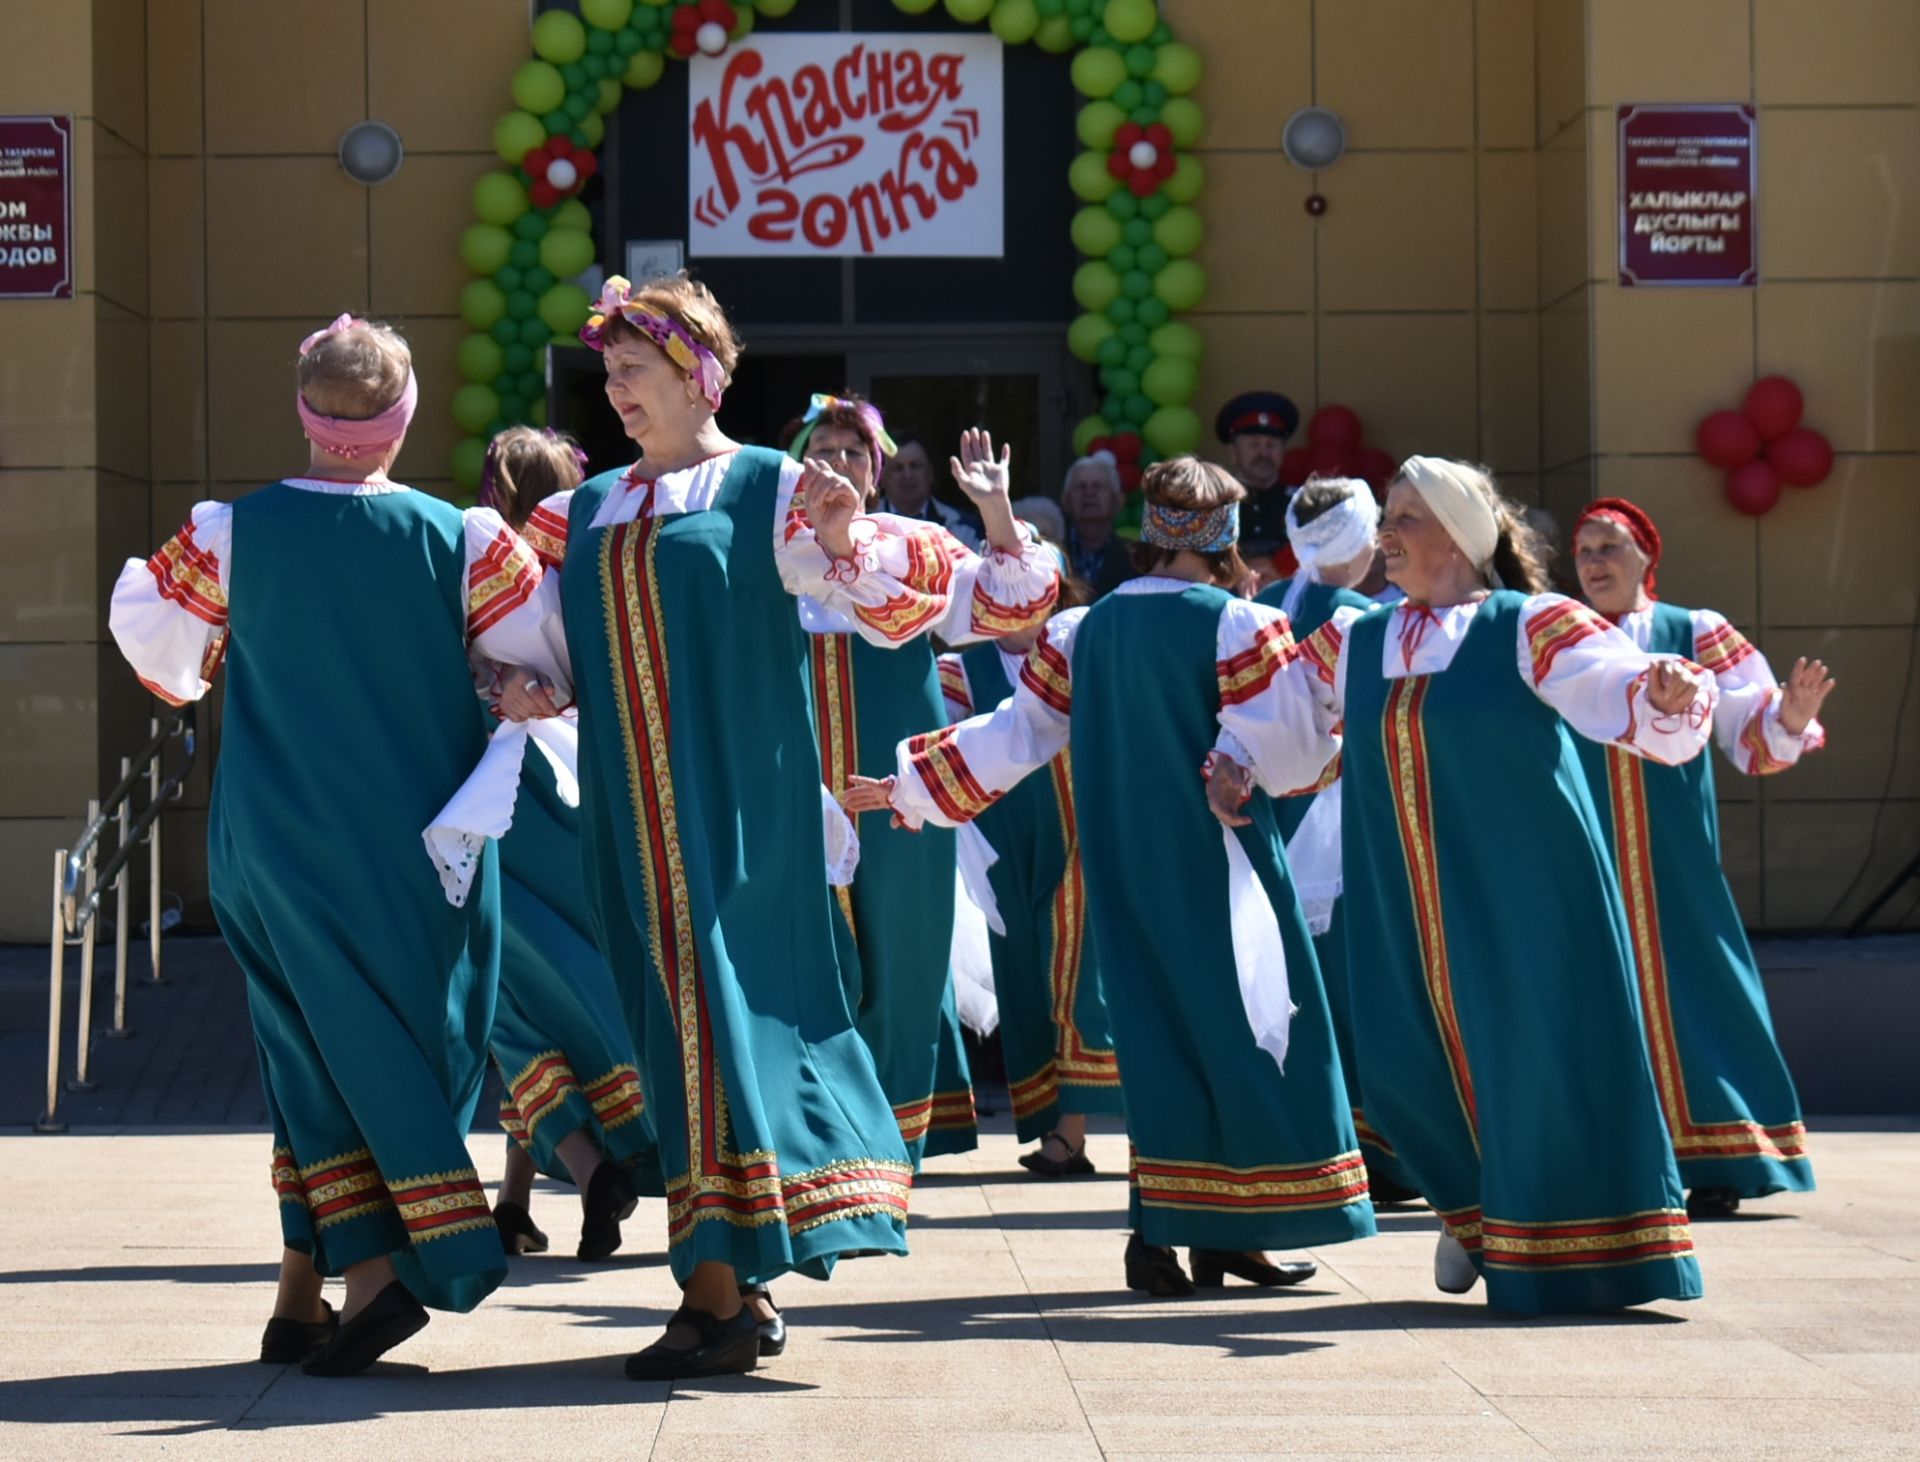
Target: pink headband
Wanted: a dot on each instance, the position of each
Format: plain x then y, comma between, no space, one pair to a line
350,436
669,334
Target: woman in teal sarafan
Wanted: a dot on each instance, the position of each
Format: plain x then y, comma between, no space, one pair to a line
1495,1015
1331,524
1231,1156
672,618
1730,1105
349,719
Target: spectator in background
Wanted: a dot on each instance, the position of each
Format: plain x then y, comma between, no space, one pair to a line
1045,515
1255,426
1091,497
906,491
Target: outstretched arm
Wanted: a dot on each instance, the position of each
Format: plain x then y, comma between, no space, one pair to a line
1763,725
1609,689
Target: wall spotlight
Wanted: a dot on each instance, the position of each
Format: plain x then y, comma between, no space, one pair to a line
1315,138
371,152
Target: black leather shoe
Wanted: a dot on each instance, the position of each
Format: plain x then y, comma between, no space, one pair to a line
1156,1271
393,1315
518,1232
725,1348
1076,1164
1712,1203
288,1342
609,1199
1211,1266
773,1332
1388,1194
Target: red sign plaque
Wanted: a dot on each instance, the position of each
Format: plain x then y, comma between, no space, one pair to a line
36,208
1686,195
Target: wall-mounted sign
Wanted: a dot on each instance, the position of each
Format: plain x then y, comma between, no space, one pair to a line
1686,195
653,259
36,208
830,144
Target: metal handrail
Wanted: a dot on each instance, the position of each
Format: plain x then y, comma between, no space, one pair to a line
78,884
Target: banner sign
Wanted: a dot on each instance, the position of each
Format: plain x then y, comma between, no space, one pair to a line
36,208
829,145
1686,195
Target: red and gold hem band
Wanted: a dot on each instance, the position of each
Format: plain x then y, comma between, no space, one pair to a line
1333,1183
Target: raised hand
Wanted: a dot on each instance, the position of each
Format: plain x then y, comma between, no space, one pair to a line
832,501
865,794
1807,687
1672,687
980,477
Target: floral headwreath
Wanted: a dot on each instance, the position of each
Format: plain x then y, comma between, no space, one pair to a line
1203,530
669,334
873,427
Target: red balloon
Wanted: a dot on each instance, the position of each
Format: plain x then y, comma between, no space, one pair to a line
1295,466
1754,488
1330,462
1802,457
1125,446
1375,467
1334,426
1773,405
1727,439
1130,474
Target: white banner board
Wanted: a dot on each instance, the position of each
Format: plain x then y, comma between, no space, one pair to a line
830,145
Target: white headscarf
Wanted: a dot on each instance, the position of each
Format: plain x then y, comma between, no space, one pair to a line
1462,498
1339,535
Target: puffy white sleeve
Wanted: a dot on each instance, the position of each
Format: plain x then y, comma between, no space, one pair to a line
1595,676
169,612
1280,701
955,689
951,776
1747,723
908,578
513,604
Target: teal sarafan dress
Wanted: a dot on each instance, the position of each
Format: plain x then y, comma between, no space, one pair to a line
371,996
1731,1109
1316,606
1495,1013
1053,1020
1228,1152
899,909
701,824
559,1035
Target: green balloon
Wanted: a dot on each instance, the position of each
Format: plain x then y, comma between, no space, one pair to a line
1113,406
498,197
1090,430
969,10
1178,68
516,134
1090,180
1123,205
534,332
1170,381
1134,333
537,413
529,385
516,357
1172,430
1088,335
564,252
1184,120
1097,71
513,408
607,14
564,308
742,23
1120,380
1189,177
1138,232
474,406
559,37
643,69
1121,256
580,105
1139,357
1015,21
1113,350
1144,115
531,227
1156,94
1121,311
524,254
482,303
505,330
1129,94
1152,259
484,247
1181,285
1136,284
591,132
915,7
609,99
469,461
1139,406
1140,64
1095,285
480,358
1153,313
774,9
538,87
1177,338
1097,123
1095,231
1080,27
1055,35
509,277
521,303
538,280
556,122
627,42
1179,231
599,67
1128,21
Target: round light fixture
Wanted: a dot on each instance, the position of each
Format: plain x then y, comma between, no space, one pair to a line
371,152
1315,138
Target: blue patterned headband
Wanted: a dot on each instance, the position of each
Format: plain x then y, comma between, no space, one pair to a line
1202,530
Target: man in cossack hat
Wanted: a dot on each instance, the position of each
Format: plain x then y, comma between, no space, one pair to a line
1255,426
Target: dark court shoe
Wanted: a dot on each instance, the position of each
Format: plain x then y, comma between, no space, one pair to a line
773,1332
725,1348
1712,1203
288,1342
1211,1266
609,1199
393,1316
1155,1271
1076,1164
1388,1194
518,1232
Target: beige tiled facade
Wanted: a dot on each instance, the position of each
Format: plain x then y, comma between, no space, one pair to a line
1458,293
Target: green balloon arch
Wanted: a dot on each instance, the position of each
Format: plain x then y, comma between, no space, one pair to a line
1137,180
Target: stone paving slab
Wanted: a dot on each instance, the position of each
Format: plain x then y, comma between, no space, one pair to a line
136,1267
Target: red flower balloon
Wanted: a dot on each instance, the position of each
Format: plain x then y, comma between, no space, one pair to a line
1142,157
1774,405
1125,446
557,170
1727,439
1754,488
1335,426
1295,467
1802,457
